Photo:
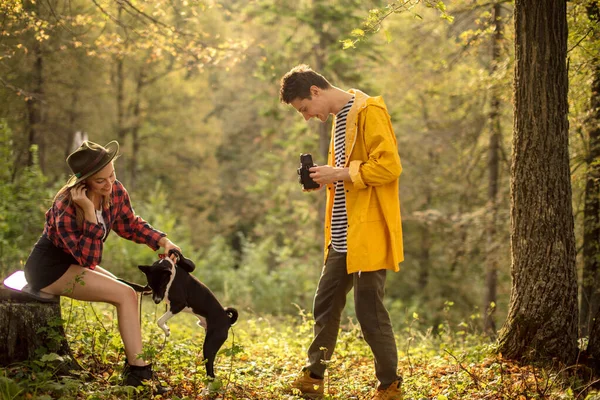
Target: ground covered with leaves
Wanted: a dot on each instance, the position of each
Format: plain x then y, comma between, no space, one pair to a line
263,355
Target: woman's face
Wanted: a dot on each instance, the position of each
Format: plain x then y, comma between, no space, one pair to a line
101,182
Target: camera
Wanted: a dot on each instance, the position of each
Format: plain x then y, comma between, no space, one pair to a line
304,174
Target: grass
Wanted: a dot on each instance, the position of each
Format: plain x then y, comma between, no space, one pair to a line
263,354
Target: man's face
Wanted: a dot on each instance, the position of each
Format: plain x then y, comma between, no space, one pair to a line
313,107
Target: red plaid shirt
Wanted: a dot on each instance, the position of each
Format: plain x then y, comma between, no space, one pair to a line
85,243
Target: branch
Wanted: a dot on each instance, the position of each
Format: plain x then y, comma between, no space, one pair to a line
143,14
484,5
21,92
59,20
581,40
157,22
475,379
116,20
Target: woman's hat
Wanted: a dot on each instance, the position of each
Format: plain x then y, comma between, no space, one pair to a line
90,158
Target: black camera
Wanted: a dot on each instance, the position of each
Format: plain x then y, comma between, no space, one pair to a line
304,174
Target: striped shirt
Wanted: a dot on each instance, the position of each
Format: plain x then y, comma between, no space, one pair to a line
339,217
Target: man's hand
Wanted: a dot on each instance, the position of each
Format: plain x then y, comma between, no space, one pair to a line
325,174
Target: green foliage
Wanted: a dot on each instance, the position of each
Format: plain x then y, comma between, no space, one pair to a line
22,204
209,155
264,353
374,20
9,389
122,257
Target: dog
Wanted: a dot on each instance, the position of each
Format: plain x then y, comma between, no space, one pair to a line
172,282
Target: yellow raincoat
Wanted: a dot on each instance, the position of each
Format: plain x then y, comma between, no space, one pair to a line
372,202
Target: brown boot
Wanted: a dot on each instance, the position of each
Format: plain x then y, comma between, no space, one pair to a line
310,387
392,392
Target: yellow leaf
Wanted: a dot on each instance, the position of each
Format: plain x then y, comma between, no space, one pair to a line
358,32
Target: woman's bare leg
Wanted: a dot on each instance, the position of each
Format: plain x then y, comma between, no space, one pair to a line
104,271
84,284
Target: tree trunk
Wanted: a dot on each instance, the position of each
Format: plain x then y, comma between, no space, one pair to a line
121,128
491,279
542,318
590,296
424,259
29,329
133,160
324,129
593,349
71,133
34,107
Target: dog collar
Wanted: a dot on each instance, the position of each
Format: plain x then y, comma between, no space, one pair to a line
163,257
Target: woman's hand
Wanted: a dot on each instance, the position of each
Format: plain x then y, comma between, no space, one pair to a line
168,245
79,196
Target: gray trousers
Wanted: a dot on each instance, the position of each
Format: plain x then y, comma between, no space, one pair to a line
330,300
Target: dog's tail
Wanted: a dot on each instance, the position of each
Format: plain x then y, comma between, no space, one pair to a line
232,314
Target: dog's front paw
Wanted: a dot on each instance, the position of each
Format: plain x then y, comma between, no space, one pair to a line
166,330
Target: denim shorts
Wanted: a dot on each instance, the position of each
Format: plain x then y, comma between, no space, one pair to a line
46,264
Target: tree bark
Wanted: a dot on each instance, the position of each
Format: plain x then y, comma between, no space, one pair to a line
29,329
542,318
135,130
491,279
121,129
324,129
34,107
590,295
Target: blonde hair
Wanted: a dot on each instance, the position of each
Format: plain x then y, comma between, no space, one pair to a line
64,194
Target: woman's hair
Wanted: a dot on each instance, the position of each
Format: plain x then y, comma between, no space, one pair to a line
64,194
296,83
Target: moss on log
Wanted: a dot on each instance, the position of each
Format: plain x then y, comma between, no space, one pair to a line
29,329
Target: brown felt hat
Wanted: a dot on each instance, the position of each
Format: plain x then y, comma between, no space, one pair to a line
90,158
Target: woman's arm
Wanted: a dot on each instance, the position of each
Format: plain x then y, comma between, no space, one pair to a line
85,242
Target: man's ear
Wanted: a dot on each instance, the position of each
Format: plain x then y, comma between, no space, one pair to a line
315,90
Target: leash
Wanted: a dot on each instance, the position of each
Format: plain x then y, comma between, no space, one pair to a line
162,347
140,308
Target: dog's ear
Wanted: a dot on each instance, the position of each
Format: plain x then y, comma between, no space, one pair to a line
185,263
144,268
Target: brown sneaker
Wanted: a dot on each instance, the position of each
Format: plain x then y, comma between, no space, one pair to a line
392,392
308,386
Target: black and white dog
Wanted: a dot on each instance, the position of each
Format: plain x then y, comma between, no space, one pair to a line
181,291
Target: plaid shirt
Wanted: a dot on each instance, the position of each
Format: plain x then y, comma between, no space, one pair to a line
86,243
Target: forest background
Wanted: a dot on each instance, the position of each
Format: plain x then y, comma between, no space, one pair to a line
190,90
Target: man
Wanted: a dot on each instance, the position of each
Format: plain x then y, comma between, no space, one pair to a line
363,233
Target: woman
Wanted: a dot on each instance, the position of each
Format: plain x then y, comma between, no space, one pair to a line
66,259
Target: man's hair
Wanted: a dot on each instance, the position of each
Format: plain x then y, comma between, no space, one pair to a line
296,83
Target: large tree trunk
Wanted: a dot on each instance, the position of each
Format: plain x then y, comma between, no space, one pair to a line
491,279
590,285
542,318
29,329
